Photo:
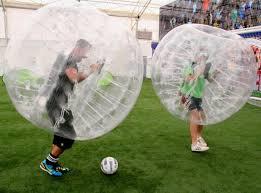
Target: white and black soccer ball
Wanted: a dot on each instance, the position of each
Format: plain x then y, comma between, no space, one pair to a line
109,165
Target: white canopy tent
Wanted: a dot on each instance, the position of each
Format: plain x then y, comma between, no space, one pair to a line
120,8
139,15
134,9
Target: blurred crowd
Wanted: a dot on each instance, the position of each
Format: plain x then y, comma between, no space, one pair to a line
226,14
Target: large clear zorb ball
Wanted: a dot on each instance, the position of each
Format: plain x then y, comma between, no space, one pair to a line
203,74
73,69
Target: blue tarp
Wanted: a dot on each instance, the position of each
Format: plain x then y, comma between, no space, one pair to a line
251,35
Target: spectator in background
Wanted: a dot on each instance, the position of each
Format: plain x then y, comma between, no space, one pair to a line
205,6
194,19
238,23
226,14
210,18
249,6
242,25
256,14
183,19
248,12
218,13
223,21
197,17
259,20
242,9
249,21
189,5
216,23
201,20
173,22
216,1
233,15
195,6
228,22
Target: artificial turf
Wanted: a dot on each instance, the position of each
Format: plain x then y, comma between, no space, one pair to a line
153,150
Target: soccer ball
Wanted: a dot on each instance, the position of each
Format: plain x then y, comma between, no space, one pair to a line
109,165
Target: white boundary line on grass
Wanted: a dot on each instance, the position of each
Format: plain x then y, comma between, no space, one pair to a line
256,98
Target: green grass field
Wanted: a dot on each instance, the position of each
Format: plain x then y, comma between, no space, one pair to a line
153,150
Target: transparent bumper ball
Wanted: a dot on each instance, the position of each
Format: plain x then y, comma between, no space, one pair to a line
203,74
73,70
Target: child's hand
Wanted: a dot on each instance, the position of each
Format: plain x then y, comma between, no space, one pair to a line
72,74
94,67
183,99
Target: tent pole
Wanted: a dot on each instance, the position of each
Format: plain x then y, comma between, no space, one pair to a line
5,20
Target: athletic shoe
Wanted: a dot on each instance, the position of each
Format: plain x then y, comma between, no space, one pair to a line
202,141
60,168
198,147
49,169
